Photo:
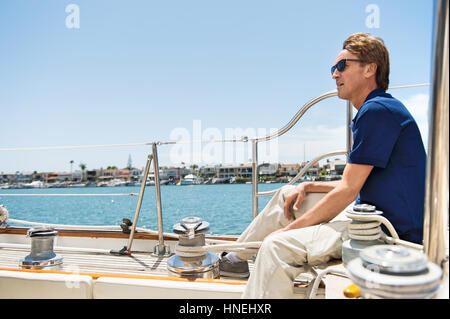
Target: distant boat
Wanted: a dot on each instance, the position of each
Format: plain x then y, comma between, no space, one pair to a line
116,182
132,184
56,185
78,185
35,184
191,179
220,180
102,184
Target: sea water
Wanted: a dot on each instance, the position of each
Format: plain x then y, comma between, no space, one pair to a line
227,207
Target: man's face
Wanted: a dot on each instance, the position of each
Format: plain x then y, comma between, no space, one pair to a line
350,81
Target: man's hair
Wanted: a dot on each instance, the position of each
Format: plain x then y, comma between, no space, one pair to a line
370,49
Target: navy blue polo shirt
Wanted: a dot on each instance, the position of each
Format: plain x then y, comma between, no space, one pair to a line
386,136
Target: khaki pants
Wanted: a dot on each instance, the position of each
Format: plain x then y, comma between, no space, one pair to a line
281,257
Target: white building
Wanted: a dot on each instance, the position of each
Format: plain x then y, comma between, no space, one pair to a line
268,169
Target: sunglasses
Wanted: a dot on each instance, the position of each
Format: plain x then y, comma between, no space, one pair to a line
340,66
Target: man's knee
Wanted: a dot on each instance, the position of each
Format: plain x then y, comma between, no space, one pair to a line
267,243
279,249
271,245
275,244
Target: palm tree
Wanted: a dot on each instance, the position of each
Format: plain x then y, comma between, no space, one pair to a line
83,167
71,163
194,167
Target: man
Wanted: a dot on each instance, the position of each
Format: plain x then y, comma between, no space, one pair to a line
385,168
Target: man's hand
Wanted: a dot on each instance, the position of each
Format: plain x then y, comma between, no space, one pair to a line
340,194
293,200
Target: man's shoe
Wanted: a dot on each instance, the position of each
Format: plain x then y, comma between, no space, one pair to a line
228,268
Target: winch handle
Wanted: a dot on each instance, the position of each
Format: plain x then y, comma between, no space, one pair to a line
182,224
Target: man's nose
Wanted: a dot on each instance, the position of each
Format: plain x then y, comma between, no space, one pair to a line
335,74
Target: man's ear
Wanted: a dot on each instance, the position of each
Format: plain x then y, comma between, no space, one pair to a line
370,70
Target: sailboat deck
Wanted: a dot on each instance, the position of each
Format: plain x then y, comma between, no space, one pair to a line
142,265
139,269
137,264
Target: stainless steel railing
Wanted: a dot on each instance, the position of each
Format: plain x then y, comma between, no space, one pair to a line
161,249
255,194
288,126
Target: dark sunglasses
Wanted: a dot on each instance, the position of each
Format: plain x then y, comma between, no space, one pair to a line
340,66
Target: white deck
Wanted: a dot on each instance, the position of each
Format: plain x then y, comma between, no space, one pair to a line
141,275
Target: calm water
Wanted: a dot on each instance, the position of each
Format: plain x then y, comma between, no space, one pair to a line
226,207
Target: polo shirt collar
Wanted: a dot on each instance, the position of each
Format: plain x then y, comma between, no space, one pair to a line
375,93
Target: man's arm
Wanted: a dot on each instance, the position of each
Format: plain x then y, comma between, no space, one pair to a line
342,194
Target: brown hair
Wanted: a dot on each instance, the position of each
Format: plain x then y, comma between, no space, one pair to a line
371,49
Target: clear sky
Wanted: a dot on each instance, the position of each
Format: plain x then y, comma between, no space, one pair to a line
143,71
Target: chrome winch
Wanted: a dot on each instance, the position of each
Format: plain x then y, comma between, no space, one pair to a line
190,260
42,255
4,214
392,271
362,231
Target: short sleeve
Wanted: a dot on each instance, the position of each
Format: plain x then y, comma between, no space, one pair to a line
375,133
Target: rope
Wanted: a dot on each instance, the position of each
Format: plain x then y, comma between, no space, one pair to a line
366,230
24,222
197,251
87,227
318,279
396,241
48,148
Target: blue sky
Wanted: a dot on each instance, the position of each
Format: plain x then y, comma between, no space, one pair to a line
140,71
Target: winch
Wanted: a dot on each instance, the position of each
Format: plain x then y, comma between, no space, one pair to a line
190,261
42,255
363,232
4,214
392,271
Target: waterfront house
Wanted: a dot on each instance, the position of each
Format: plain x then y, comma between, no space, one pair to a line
267,169
92,175
225,172
208,171
313,171
244,171
63,176
241,171
123,174
288,169
175,173
335,167
107,175
23,177
7,178
134,174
